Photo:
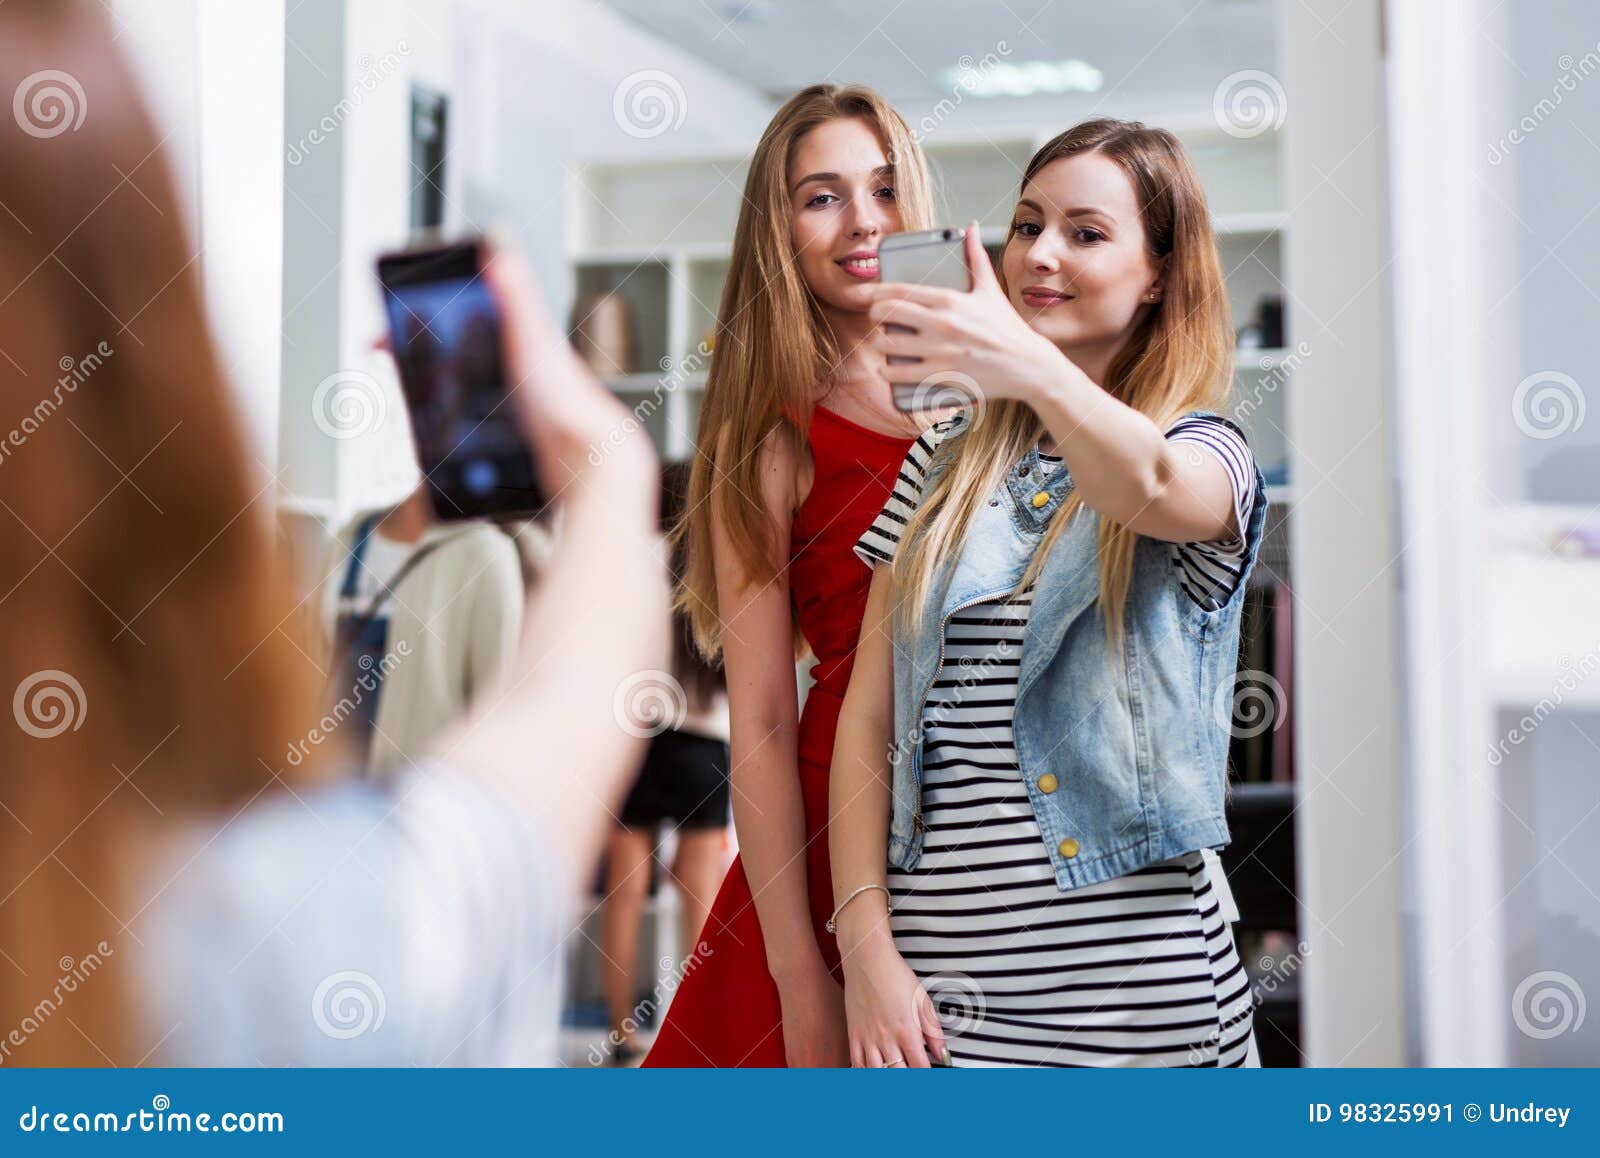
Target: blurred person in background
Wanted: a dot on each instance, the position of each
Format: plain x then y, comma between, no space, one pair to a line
419,617
236,908
685,781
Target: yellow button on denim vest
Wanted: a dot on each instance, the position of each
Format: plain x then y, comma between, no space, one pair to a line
1047,783
1041,498
1068,847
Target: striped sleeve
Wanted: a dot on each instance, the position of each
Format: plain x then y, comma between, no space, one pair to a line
877,544
1209,572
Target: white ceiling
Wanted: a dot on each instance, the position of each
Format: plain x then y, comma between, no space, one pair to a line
901,48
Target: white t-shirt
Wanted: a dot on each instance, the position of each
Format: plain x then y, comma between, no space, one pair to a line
415,923
454,622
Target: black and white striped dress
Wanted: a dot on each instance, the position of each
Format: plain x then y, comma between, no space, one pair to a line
1140,970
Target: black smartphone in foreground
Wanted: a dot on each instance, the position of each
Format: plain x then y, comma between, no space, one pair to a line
445,330
935,257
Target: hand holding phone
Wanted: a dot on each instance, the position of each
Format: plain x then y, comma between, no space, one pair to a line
446,335
968,347
935,257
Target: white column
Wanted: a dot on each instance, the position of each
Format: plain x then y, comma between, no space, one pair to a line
1344,538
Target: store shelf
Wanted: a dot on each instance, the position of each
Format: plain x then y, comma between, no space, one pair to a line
1244,224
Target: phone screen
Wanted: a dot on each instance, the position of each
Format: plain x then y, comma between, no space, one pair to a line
445,330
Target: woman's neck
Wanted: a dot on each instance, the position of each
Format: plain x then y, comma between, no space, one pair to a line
852,334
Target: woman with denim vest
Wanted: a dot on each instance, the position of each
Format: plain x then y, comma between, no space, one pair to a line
1038,717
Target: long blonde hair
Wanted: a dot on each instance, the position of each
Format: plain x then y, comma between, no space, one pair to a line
1179,358
145,614
773,346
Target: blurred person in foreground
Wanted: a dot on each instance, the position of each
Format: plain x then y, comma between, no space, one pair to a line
172,890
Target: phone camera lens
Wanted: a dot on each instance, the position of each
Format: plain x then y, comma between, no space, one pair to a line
948,234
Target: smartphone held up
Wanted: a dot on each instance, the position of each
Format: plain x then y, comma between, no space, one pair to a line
935,257
447,335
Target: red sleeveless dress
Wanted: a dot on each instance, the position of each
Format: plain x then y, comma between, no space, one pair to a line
726,1011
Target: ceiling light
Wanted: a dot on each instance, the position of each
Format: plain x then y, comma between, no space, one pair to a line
1002,78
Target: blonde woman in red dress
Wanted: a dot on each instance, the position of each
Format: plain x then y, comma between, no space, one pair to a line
798,448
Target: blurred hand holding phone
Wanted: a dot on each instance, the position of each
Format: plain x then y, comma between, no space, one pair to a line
447,336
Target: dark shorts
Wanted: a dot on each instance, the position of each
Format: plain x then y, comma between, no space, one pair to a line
685,778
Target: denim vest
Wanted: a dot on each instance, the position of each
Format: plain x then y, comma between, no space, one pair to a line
1125,761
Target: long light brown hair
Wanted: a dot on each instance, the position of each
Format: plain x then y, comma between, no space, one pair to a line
140,594
1178,358
773,347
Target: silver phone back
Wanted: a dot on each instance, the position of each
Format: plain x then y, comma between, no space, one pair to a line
932,257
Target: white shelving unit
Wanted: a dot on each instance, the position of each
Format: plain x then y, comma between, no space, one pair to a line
659,232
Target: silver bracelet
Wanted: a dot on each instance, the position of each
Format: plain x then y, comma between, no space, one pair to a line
833,922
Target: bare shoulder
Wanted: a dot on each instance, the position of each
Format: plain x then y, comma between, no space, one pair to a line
784,468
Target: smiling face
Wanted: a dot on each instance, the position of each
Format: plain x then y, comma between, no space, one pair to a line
1077,264
842,203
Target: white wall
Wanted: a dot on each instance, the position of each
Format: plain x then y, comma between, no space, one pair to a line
1343,547
213,73
537,88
